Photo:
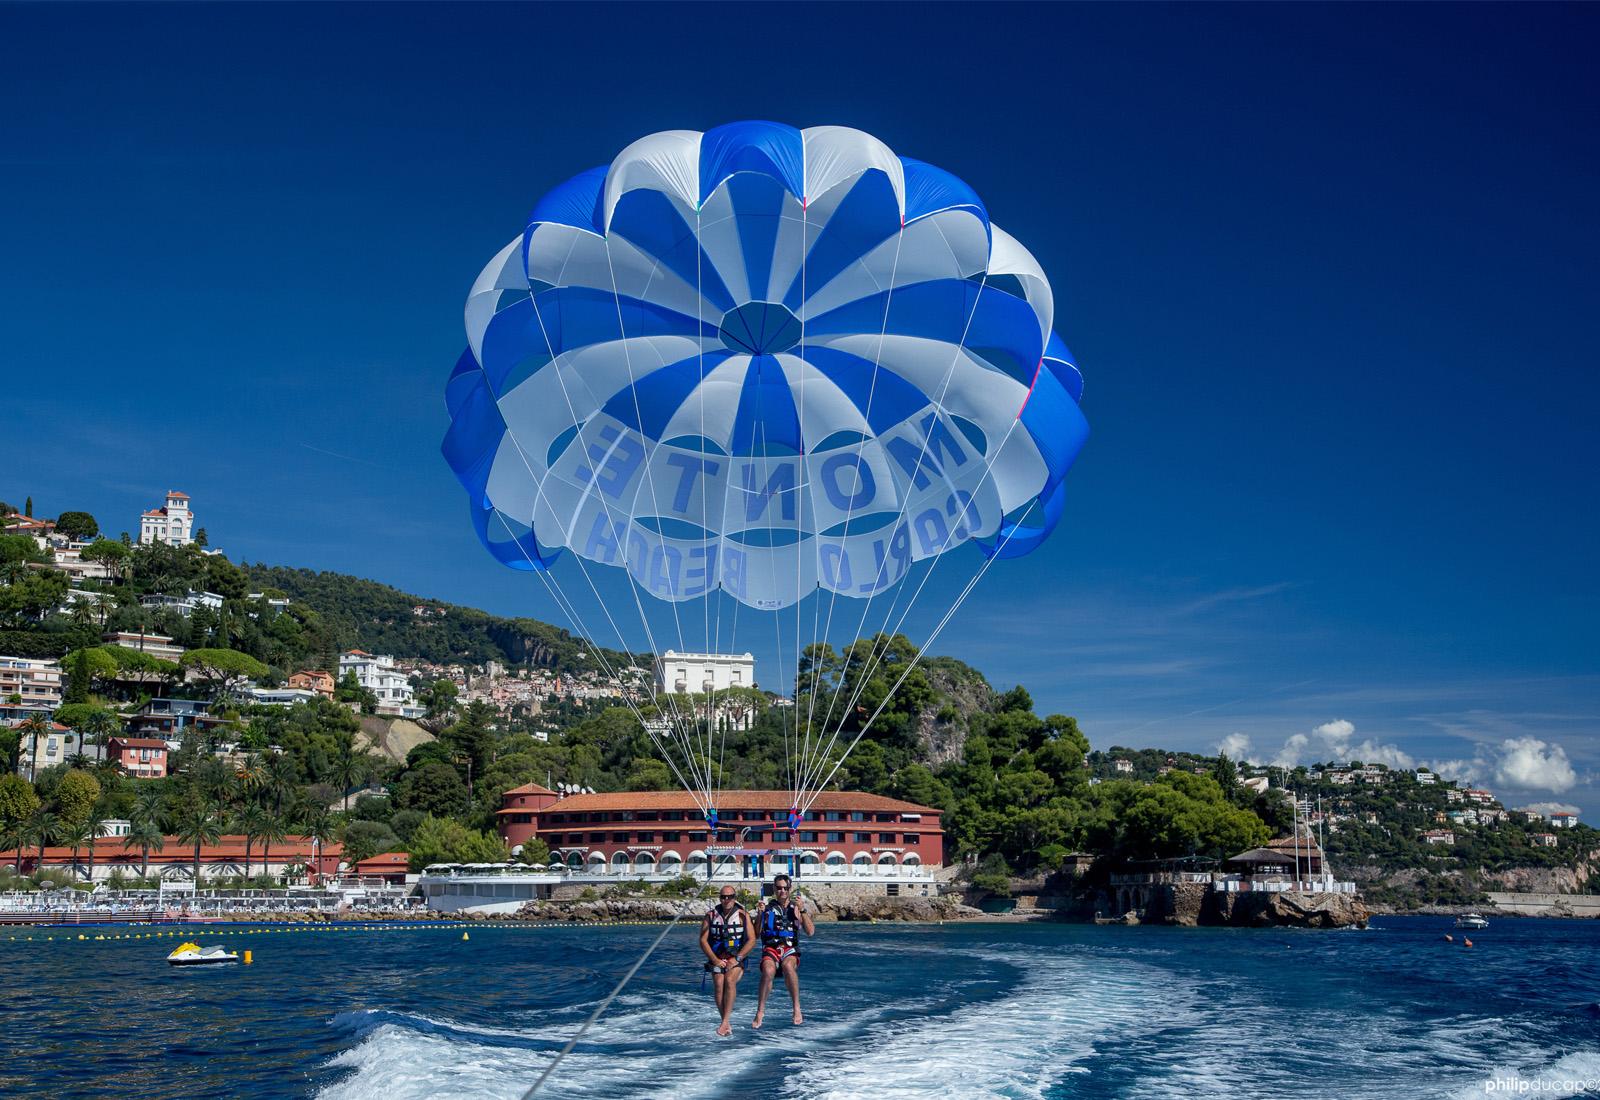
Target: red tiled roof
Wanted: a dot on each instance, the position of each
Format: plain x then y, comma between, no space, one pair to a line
155,512
175,493
356,653
138,742
227,849
737,800
385,861
530,788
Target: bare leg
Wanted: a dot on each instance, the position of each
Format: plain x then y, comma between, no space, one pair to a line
768,970
730,991
719,986
791,978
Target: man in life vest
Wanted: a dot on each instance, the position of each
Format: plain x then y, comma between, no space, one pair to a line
726,937
782,919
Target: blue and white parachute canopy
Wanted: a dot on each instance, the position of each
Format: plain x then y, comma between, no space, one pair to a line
762,360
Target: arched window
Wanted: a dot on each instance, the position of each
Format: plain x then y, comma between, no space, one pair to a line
887,865
620,861
835,863
861,864
671,862
644,863
596,862
809,859
575,860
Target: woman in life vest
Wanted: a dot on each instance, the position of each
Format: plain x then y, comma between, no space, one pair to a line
782,919
726,937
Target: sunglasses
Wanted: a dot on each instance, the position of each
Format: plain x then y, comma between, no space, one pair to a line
728,897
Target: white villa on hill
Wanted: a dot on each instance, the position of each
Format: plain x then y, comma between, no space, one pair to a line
171,524
378,675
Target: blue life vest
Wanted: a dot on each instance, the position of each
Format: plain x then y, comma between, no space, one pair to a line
778,925
727,932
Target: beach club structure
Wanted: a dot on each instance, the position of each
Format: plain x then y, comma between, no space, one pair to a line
633,833
847,840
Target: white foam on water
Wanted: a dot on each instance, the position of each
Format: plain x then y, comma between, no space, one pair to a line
1013,1047
407,1058
1575,1074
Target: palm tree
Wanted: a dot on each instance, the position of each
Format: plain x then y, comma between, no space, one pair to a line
282,775
146,834
349,769
273,829
14,836
97,829
101,725
44,828
318,824
199,825
33,727
250,822
76,835
252,773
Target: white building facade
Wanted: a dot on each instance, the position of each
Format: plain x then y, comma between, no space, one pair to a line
378,675
702,673
172,524
38,683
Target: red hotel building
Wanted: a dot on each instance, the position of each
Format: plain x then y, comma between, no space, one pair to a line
656,832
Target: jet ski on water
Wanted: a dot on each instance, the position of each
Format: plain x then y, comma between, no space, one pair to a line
192,954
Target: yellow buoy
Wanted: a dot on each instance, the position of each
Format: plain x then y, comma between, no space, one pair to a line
464,937
247,959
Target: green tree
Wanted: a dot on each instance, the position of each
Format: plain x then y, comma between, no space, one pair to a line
198,824
250,822
273,829
438,840
75,835
78,526
146,834
32,728
44,828
76,795
18,802
222,669
365,839
114,555
349,690
96,827
434,788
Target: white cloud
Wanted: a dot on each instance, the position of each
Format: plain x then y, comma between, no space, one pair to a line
1521,763
1289,755
1529,764
1336,741
1459,771
1236,746
1548,808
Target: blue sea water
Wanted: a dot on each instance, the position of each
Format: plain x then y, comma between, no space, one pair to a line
973,1010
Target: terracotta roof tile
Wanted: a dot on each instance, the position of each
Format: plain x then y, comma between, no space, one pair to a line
737,800
530,788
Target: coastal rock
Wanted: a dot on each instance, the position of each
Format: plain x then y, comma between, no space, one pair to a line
1291,910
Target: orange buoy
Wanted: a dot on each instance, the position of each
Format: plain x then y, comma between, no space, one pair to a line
1465,942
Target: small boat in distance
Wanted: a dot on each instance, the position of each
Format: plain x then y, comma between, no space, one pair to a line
1471,920
192,954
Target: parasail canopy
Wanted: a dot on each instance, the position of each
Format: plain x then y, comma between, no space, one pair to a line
763,363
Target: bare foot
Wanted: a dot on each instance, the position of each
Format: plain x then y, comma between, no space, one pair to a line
756,1023
725,1029
798,1019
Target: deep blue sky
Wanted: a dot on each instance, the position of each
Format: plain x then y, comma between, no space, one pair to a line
1330,272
